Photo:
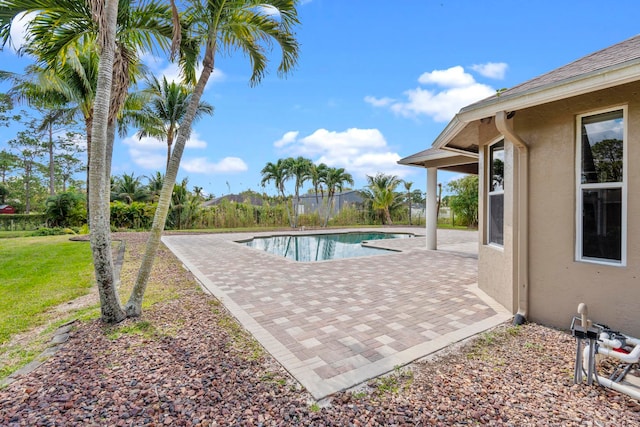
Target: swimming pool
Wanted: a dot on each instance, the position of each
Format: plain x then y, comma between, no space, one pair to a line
322,247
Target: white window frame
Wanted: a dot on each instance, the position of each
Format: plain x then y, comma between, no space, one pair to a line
494,193
604,185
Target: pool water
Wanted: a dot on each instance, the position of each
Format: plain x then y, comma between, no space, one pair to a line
322,247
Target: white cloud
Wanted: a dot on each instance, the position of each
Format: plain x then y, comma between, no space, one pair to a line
150,153
226,165
360,151
287,138
492,70
19,34
443,105
148,160
454,89
452,77
378,102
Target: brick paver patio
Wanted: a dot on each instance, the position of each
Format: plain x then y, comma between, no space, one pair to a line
334,324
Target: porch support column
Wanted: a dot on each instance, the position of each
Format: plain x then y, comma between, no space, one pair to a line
432,208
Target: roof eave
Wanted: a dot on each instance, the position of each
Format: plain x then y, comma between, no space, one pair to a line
596,80
579,85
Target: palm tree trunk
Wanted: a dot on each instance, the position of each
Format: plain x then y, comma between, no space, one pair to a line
286,206
329,208
387,216
111,136
134,305
111,309
88,123
27,186
52,190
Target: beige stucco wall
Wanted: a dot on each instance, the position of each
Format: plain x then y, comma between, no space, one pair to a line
496,264
558,282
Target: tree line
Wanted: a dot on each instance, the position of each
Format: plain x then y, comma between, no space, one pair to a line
96,49
87,63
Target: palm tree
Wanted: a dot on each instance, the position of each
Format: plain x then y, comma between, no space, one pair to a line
250,26
118,30
300,170
197,192
100,237
141,26
335,179
407,186
318,175
382,194
154,185
129,189
164,111
70,85
276,172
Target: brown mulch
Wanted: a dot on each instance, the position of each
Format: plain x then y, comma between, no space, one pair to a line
187,363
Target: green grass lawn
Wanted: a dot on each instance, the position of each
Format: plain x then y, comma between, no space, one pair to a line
37,273
11,234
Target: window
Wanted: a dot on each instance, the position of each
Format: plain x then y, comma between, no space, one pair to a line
601,192
496,194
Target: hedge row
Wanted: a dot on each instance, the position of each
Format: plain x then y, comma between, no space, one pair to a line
13,222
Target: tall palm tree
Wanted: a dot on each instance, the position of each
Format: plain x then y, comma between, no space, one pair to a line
250,26
100,237
165,109
300,170
70,85
118,30
276,173
335,179
382,193
318,174
141,26
407,186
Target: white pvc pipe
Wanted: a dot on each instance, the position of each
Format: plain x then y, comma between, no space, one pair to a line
630,391
632,357
505,127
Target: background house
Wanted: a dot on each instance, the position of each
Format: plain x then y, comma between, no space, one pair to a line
310,203
559,164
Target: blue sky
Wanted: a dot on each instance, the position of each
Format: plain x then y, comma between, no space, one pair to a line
376,81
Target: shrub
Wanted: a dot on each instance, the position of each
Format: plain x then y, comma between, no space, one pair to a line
55,231
137,215
66,209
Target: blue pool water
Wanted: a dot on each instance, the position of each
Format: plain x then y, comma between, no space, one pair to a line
322,247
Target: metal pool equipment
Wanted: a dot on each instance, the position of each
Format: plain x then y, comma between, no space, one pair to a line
600,339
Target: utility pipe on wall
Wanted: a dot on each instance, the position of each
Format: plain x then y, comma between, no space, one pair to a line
505,127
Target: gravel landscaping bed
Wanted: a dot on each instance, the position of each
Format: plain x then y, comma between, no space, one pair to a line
186,362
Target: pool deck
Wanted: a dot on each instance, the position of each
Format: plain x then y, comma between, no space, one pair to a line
335,324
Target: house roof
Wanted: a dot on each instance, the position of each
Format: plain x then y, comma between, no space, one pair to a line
614,58
609,67
450,160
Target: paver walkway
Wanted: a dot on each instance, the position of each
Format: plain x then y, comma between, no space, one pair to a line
334,324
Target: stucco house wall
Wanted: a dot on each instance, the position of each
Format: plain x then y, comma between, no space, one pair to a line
536,273
496,264
557,282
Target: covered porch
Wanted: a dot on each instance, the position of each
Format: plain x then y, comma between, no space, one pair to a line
434,159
